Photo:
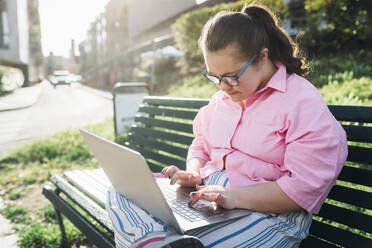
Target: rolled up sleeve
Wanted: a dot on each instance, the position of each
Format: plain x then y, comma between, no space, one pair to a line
316,150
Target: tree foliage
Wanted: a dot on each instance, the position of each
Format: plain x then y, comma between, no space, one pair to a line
335,25
187,28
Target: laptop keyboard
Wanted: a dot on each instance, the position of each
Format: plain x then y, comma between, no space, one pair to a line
200,211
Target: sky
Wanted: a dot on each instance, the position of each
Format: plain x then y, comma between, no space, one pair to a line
63,20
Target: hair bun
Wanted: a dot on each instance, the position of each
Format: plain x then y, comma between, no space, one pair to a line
258,12
246,11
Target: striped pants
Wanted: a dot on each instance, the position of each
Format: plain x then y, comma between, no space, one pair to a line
134,227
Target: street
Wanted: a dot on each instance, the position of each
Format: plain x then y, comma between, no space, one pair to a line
56,110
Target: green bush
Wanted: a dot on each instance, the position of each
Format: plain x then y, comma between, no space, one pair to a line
334,25
187,28
325,69
10,79
165,73
193,86
350,91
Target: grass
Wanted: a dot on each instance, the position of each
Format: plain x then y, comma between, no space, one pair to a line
345,79
16,214
35,163
31,166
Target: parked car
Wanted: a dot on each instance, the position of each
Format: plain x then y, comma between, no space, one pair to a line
64,77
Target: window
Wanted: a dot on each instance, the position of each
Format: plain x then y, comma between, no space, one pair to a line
4,25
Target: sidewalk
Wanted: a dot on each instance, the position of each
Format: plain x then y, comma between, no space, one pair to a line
21,98
8,239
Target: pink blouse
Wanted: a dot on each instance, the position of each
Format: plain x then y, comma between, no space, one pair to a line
285,134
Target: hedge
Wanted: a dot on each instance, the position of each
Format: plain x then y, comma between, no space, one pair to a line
10,79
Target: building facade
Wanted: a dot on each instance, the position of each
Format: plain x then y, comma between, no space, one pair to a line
20,38
111,51
14,39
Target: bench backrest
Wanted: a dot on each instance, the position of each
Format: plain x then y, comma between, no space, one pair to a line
163,132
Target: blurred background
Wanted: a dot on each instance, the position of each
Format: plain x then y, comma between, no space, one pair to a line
107,41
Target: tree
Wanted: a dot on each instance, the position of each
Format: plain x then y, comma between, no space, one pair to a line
36,56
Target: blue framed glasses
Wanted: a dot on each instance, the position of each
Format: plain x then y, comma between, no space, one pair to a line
230,80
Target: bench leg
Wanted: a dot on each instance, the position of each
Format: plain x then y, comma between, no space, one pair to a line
94,234
61,226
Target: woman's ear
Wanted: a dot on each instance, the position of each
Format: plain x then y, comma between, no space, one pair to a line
263,56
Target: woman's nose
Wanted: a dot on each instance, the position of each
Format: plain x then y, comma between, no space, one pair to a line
224,86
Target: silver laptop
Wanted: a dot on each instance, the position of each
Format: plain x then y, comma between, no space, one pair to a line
128,172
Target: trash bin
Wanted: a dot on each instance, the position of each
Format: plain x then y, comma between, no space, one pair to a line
127,97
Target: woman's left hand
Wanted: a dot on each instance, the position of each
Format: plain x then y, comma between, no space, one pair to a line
213,193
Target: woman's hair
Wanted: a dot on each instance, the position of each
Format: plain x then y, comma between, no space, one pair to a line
253,29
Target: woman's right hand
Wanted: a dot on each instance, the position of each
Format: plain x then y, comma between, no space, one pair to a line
183,178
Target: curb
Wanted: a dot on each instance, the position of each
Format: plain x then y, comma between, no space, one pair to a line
12,103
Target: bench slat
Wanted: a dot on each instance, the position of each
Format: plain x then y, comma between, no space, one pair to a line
347,217
182,127
351,196
99,173
358,133
356,175
176,102
311,242
90,179
359,155
166,160
142,141
352,113
154,167
338,236
177,138
95,210
177,113
87,185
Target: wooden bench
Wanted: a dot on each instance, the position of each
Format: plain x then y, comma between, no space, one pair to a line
163,132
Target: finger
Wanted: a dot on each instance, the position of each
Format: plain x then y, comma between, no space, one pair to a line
195,194
194,198
200,187
180,175
172,170
194,179
212,197
164,171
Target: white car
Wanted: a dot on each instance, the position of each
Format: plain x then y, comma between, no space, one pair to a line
64,77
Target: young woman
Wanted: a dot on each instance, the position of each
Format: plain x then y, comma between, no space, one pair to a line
265,142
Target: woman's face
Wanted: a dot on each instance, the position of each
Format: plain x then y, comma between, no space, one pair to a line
225,62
